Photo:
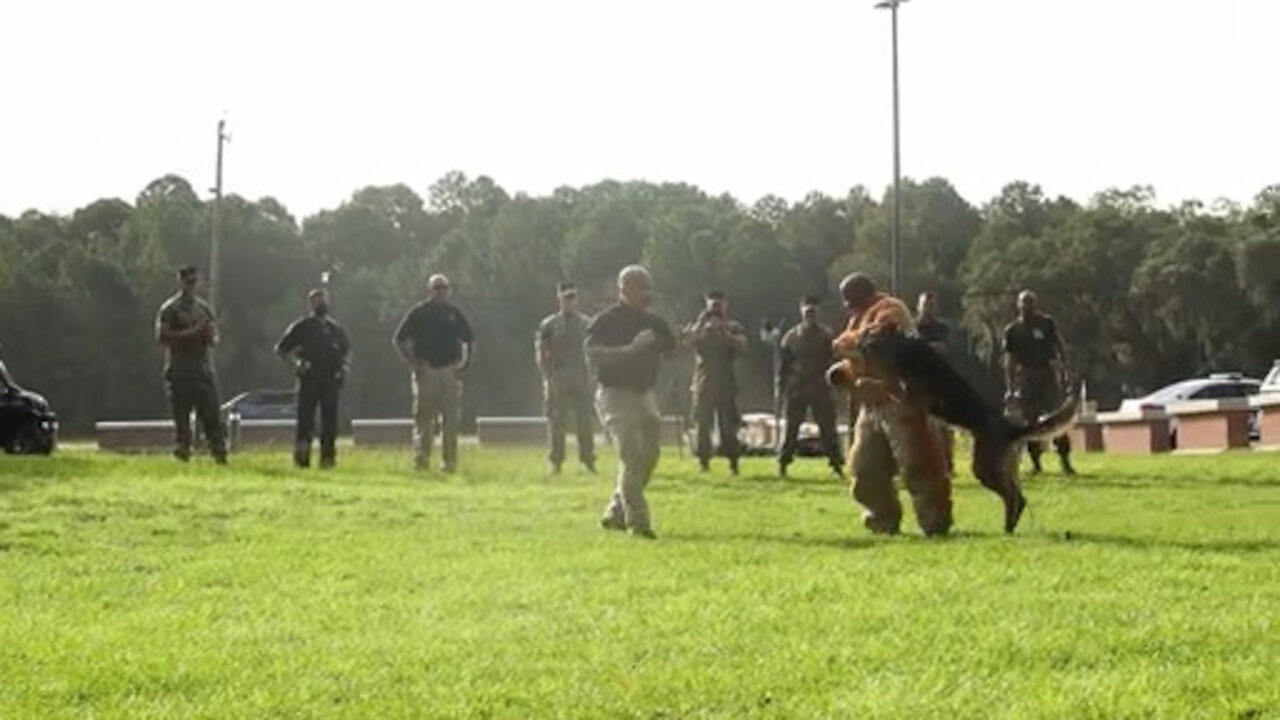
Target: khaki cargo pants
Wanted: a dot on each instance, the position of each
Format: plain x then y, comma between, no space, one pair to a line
435,395
889,438
633,421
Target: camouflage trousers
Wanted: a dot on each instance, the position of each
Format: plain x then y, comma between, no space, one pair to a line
633,420
435,395
562,399
890,438
718,407
199,393
823,406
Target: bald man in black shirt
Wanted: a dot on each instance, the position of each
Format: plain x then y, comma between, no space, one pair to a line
1033,367
625,345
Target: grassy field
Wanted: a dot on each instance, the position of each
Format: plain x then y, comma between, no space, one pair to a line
136,587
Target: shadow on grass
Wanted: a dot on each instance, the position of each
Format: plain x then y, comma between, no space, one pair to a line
1216,546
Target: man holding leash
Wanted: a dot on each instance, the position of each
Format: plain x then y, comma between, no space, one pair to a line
1034,367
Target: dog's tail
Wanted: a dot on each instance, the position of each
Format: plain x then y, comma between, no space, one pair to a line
1055,423
995,453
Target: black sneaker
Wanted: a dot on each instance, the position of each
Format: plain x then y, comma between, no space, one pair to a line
613,522
646,533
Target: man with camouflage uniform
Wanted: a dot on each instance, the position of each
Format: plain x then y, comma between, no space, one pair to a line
1034,355
434,339
318,347
892,432
187,328
716,341
805,357
625,345
558,350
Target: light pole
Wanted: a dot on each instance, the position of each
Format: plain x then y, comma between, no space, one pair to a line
895,270
217,219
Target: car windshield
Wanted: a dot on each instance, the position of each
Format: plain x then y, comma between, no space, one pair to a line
1273,378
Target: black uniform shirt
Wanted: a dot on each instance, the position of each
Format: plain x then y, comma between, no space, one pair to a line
616,327
1033,343
437,329
319,340
934,330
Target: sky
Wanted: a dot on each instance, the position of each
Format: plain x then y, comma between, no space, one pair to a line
749,98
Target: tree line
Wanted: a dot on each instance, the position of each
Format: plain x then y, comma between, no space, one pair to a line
1143,294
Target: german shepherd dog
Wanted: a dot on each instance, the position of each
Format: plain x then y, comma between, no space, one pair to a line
929,378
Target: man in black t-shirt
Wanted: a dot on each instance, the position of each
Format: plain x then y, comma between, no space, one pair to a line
435,341
937,332
1033,370
318,347
625,344
933,329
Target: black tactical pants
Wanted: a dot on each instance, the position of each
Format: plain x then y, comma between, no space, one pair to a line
198,393
1039,394
317,394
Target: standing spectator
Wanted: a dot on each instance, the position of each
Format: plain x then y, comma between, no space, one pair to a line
318,347
935,331
186,326
806,355
435,341
717,341
559,352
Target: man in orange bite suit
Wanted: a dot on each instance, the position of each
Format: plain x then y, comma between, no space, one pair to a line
893,431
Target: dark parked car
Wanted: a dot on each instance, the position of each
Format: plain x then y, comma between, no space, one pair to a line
263,405
27,424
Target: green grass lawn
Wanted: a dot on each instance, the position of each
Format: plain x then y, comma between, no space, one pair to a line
136,587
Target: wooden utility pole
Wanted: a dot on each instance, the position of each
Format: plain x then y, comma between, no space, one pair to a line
217,220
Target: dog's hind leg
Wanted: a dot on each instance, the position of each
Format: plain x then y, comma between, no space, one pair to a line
995,464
